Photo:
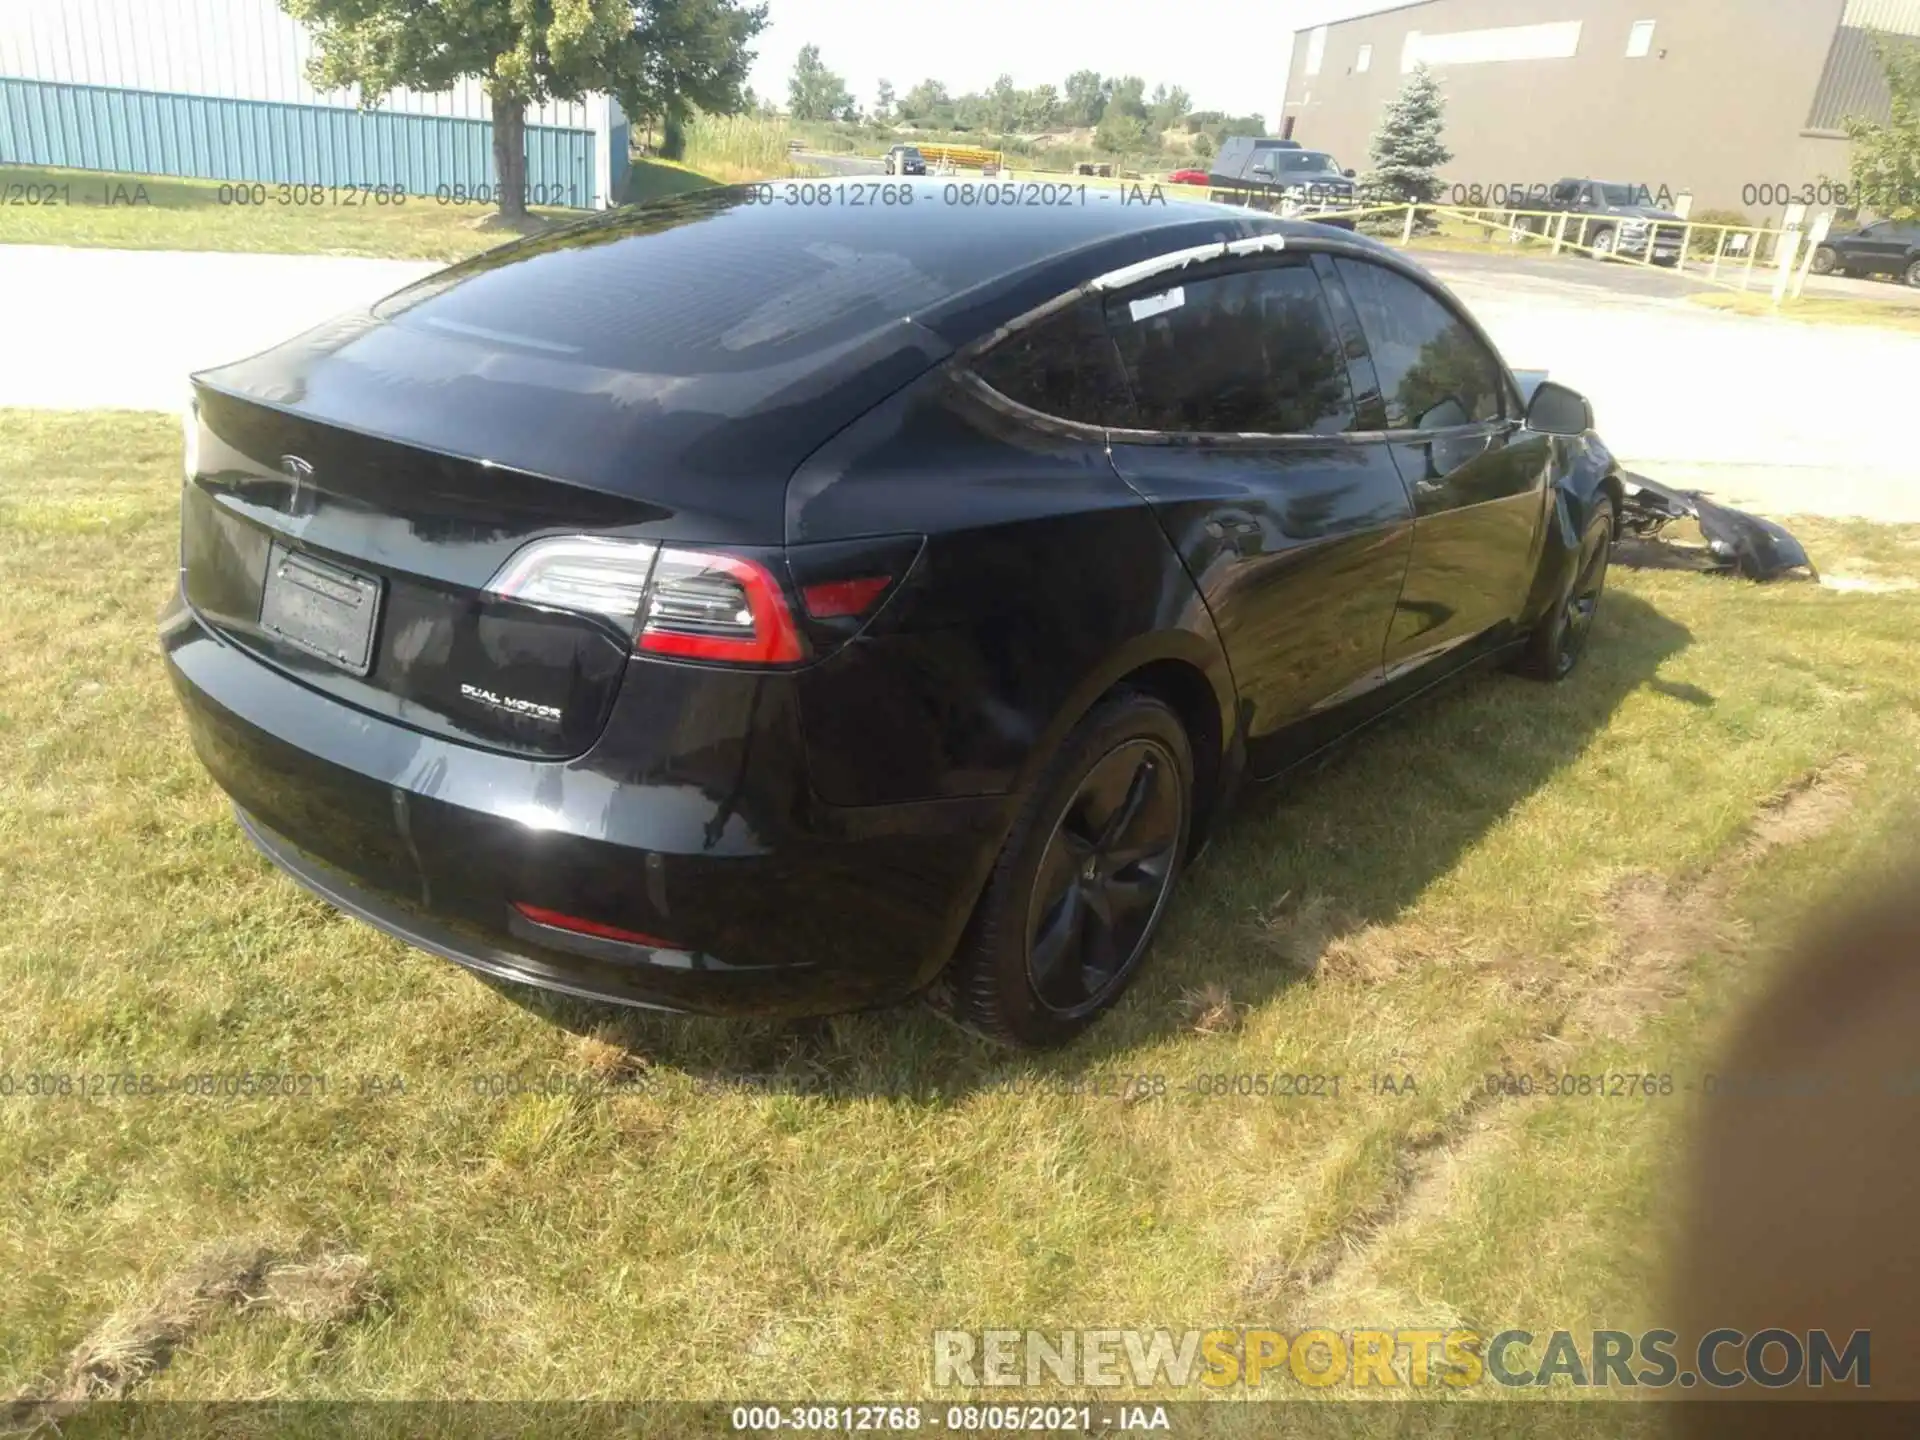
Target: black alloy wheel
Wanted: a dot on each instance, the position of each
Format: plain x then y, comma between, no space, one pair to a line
1554,648
1104,877
1082,882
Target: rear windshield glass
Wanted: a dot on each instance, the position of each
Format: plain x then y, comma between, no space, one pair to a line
691,288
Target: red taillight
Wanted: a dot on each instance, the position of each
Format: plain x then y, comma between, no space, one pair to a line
706,606
843,599
579,926
695,604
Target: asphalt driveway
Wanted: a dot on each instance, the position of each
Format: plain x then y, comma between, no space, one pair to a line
1777,415
124,328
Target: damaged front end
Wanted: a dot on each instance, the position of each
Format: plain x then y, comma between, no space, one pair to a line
1736,542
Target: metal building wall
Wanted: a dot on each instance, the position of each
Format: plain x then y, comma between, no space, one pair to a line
1854,82
1715,104
217,89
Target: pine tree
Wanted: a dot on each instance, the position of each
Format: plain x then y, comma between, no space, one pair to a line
1407,151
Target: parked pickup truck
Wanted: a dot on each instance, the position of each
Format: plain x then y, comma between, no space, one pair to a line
1612,220
1279,175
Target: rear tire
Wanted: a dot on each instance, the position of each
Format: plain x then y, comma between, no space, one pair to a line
1913,274
1554,647
1082,882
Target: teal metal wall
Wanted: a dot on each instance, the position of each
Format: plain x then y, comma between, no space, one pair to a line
141,132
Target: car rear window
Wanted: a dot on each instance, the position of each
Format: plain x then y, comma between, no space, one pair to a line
691,289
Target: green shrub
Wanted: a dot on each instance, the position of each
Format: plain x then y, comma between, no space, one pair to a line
1705,242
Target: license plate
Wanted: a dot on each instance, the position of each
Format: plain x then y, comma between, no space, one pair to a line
320,608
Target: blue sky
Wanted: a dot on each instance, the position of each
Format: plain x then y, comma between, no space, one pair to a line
1229,54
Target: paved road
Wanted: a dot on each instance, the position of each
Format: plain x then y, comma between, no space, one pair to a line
840,164
1620,278
1770,414
124,328
1779,415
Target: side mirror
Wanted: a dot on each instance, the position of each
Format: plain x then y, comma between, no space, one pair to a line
1348,173
1556,410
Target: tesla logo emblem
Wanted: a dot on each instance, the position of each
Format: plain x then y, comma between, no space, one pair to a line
300,473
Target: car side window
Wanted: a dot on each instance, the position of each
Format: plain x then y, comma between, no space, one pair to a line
1063,365
1249,352
1434,371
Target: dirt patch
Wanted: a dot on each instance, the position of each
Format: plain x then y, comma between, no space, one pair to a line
1210,1010
1312,934
320,1289
1654,929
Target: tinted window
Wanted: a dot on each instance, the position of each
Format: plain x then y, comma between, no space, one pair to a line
1063,366
1248,352
1433,371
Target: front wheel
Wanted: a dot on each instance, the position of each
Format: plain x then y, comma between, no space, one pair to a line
1913,274
1082,882
1825,260
1603,245
1556,644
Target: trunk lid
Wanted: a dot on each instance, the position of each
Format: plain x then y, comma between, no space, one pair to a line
655,375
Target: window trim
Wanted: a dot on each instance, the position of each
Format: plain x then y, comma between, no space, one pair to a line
1206,262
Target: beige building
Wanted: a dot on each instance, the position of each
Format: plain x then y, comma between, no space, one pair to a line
1740,103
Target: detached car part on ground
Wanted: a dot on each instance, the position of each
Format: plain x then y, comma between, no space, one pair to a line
727,608
1745,544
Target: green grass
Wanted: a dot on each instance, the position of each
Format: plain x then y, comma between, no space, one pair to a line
1432,901
1818,309
146,212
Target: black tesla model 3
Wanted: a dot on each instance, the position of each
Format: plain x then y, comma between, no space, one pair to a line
757,609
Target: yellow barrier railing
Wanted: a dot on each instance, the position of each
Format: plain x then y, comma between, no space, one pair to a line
1728,255
965,157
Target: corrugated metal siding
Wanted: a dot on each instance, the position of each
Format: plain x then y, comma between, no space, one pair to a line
1854,82
99,128
234,49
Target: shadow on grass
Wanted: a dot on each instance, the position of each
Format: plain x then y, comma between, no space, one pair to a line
1460,760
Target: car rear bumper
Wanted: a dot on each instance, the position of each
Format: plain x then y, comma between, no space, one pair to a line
762,900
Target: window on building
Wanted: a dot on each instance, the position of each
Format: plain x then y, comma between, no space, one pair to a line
1316,49
1640,40
1249,352
1364,62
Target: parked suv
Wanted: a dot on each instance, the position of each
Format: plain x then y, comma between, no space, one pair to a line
906,160
1886,247
1614,220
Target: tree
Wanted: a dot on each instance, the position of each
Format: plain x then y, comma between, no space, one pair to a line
883,102
1886,157
815,92
1003,104
1168,107
1039,108
1119,132
1407,152
1086,98
658,58
1129,96
927,104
